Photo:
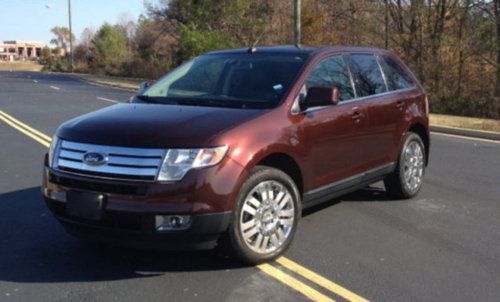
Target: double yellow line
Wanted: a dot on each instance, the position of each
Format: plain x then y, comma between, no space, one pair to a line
25,129
271,269
310,276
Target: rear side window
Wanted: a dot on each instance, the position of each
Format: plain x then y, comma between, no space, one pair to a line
367,75
332,72
396,76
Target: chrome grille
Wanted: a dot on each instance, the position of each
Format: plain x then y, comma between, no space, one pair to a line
122,162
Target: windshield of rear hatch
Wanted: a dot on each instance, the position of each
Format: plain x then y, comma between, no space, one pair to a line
236,80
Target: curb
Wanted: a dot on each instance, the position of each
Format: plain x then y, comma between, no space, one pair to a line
466,132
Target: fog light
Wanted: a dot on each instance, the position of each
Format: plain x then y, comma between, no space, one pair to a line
165,223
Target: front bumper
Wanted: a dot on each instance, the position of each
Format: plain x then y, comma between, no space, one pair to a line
129,213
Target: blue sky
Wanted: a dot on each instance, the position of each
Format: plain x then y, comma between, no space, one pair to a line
32,19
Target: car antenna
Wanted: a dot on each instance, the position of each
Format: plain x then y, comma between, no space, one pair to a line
252,48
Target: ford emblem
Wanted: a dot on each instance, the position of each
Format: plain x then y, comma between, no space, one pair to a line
95,158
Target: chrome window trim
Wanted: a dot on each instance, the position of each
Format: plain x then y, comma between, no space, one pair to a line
358,99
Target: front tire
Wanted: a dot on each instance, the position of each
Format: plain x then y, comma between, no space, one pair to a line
405,182
265,216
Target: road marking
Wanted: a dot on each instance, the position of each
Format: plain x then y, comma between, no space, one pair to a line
23,130
6,117
107,100
54,87
290,281
320,280
467,137
270,270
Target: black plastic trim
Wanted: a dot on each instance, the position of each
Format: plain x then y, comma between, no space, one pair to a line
346,185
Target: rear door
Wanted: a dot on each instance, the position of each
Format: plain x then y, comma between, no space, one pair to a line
386,111
382,107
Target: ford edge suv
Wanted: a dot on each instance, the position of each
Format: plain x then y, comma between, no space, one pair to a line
230,147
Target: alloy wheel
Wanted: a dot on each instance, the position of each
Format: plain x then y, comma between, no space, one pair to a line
267,217
413,165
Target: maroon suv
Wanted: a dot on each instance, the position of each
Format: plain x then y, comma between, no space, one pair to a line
232,145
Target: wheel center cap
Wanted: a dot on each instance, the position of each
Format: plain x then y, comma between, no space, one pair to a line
267,217
268,220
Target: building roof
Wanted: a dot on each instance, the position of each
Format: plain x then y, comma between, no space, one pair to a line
24,43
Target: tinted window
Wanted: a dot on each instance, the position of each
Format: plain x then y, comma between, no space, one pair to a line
332,72
395,75
367,75
246,80
200,79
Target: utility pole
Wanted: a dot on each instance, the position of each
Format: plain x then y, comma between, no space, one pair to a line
296,22
70,35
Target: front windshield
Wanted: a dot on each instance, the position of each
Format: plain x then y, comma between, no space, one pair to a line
236,80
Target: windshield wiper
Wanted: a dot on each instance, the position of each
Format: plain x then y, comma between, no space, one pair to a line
202,102
154,99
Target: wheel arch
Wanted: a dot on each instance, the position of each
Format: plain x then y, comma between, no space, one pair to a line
422,131
285,163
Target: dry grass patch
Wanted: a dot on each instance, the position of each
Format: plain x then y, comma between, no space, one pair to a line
20,66
465,122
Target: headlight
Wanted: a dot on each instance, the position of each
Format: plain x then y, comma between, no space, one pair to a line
178,162
52,149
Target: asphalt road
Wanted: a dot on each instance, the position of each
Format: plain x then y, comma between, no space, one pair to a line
443,245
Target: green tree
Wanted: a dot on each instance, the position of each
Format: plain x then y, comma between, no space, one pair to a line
212,24
109,51
193,42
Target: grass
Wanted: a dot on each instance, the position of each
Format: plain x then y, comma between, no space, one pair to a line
465,122
20,66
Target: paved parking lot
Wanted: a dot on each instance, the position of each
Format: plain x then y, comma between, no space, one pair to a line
443,245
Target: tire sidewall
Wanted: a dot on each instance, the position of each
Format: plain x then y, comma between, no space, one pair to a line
258,175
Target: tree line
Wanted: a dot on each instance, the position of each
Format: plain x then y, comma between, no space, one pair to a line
453,46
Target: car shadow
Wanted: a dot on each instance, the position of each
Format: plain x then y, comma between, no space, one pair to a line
34,248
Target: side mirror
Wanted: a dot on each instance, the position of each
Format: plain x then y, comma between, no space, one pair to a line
320,96
143,86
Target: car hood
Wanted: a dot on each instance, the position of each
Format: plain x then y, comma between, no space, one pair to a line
153,125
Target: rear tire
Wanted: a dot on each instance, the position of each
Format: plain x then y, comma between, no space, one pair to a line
265,216
405,182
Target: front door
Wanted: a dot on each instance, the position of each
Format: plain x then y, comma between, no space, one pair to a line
335,135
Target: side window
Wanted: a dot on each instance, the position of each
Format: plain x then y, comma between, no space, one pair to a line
367,75
396,76
332,72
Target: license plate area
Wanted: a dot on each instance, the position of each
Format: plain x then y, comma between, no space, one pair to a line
85,205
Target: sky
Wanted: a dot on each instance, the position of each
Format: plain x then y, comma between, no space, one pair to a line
32,20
